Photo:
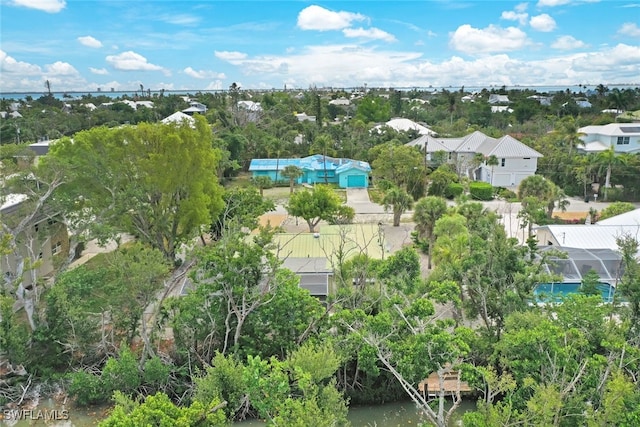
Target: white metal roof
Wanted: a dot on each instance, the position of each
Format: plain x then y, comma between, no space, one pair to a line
627,218
12,199
178,117
478,142
400,125
613,129
590,236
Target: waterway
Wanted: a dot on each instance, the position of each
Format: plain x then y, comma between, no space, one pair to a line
387,415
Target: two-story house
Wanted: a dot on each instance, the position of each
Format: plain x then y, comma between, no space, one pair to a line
623,137
515,160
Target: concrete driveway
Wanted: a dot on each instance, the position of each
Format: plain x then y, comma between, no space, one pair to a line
358,199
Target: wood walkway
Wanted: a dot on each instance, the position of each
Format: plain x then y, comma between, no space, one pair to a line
452,383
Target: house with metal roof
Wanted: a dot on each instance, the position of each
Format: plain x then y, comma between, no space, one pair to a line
516,161
316,169
404,125
623,137
498,99
314,256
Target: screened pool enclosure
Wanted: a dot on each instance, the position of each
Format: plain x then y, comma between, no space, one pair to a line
572,265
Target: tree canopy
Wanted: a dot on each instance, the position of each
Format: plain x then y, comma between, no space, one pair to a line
157,182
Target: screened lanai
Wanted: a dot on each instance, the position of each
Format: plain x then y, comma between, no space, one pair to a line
578,262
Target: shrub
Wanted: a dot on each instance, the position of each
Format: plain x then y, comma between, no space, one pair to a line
453,190
507,194
481,191
616,208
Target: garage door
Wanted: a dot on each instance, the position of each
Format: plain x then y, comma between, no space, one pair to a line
356,181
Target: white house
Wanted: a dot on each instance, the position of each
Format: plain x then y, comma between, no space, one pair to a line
501,109
303,117
340,101
516,161
195,108
623,137
178,118
601,235
498,99
403,125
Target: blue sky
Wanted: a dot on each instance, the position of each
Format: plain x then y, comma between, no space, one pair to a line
82,45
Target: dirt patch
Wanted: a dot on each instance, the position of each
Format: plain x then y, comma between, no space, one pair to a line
571,215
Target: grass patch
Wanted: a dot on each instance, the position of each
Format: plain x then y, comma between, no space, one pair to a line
376,195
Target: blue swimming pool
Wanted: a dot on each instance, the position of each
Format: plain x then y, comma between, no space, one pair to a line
555,292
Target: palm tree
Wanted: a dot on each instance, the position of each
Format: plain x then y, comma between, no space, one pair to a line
568,132
292,172
492,161
610,159
584,169
399,200
262,182
323,143
427,211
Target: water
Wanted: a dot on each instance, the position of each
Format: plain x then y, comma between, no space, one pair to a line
72,95
555,292
387,415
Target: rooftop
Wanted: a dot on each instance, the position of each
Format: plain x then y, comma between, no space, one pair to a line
314,252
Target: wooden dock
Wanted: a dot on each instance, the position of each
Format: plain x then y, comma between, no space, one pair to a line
430,386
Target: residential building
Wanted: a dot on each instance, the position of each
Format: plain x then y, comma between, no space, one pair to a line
42,243
195,108
316,169
303,117
623,137
515,160
404,125
314,256
179,117
340,101
498,99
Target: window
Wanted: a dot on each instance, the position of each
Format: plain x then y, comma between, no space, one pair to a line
57,248
502,162
623,140
526,158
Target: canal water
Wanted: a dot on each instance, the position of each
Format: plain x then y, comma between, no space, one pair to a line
388,415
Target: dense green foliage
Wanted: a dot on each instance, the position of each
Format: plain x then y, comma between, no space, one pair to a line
481,191
230,334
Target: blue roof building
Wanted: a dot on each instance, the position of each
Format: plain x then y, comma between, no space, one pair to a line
316,169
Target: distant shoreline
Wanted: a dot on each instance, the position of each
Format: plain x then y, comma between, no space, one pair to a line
75,95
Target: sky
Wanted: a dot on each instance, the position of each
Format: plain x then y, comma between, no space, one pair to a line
83,45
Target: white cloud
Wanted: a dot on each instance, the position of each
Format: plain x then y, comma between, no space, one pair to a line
215,85
230,56
132,61
491,39
99,71
8,65
203,74
521,7
180,19
370,33
90,42
510,15
60,68
552,3
567,43
629,29
321,19
543,23
49,6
